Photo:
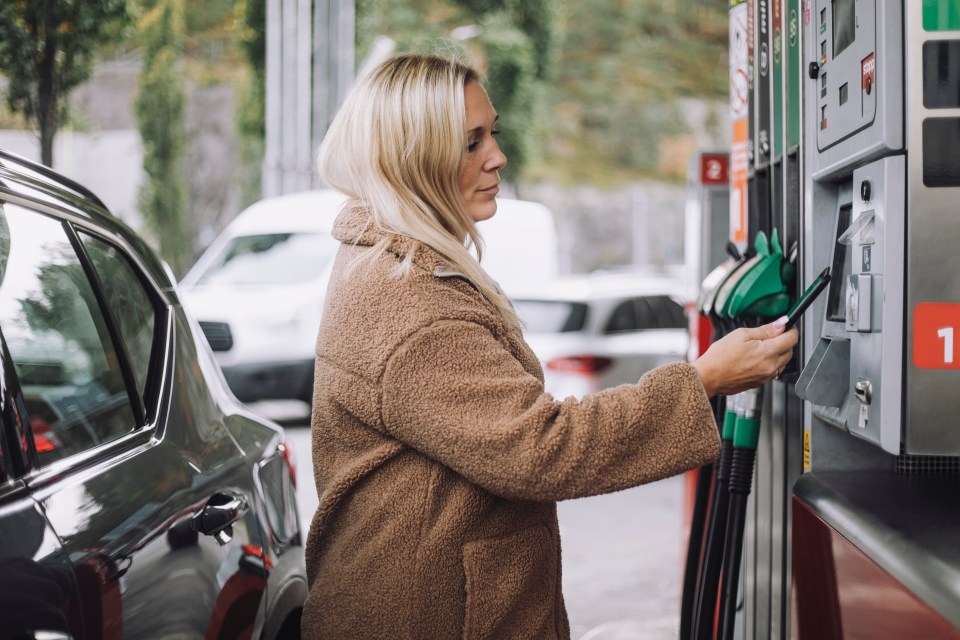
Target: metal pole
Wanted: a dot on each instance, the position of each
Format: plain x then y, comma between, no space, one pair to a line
302,166
270,169
288,138
310,60
321,72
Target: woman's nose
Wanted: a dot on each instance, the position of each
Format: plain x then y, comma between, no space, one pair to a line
497,159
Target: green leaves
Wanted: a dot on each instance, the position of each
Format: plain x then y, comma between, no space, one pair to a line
47,48
160,107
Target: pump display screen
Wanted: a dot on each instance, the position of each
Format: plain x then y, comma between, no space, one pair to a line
844,25
837,296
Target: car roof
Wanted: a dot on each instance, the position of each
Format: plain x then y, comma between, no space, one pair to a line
303,211
592,287
22,180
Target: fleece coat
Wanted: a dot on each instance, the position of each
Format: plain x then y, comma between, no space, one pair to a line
439,459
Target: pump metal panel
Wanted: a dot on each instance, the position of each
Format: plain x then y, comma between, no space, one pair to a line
932,337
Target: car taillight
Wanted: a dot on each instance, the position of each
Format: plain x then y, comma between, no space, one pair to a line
580,364
257,552
289,459
44,439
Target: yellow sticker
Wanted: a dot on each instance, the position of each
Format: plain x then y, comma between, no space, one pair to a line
806,450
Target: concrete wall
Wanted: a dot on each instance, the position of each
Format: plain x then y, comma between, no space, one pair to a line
102,149
106,162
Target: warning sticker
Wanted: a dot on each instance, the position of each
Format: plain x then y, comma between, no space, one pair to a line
868,73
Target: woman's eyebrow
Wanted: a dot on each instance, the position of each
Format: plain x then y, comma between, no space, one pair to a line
480,128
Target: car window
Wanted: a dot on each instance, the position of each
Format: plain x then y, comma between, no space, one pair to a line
550,316
59,340
650,312
132,307
668,312
623,318
271,258
646,315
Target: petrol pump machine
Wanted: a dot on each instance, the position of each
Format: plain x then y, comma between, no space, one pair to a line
882,211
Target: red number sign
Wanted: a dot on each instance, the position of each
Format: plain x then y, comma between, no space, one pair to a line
936,325
713,169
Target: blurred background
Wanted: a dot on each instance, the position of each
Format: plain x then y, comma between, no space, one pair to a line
180,115
602,104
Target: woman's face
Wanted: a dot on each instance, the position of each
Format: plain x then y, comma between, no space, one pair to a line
479,181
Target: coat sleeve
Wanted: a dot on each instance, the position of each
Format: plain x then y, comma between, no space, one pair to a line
455,394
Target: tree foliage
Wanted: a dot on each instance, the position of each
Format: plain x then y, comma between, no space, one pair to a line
621,72
47,47
514,51
607,80
160,108
512,87
251,105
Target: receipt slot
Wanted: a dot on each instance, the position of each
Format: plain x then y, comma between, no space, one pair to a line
885,166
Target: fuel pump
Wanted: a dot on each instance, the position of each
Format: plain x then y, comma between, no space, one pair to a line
859,452
701,516
761,294
742,294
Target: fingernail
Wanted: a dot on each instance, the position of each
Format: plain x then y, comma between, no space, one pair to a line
779,322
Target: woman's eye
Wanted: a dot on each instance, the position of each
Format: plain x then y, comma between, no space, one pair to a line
472,146
495,132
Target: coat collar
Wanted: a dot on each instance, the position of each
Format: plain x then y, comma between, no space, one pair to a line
354,225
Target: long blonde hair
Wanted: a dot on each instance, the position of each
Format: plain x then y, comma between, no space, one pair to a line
396,148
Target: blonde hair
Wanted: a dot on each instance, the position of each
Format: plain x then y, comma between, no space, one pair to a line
396,148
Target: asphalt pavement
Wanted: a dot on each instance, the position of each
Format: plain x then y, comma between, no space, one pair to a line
622,552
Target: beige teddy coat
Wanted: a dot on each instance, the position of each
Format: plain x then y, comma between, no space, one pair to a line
439,458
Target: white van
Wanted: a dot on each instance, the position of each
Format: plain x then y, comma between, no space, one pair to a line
258,290
257,293
520,245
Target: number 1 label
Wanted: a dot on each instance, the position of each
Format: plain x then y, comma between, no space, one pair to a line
934,324
947,334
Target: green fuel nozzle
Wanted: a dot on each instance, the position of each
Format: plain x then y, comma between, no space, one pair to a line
762,290
746,432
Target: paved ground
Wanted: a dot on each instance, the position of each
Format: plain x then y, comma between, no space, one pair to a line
621,554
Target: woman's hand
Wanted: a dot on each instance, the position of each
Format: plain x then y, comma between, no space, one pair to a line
746,358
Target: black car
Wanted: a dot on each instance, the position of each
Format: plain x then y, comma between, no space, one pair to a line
138,497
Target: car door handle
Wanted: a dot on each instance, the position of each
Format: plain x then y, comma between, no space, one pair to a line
218,515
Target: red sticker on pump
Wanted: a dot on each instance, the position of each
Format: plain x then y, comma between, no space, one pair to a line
936,329
868,73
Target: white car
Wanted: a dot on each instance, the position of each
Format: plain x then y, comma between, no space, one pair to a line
258,290
258,293
598,331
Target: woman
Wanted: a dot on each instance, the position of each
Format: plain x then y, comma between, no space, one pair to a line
438,456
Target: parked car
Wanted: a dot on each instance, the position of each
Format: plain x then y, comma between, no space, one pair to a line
258,293
520,245
138,497
599,331
258,290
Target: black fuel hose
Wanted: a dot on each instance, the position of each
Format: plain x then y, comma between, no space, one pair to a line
709,579
746,436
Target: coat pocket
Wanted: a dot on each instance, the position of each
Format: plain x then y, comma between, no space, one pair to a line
511,583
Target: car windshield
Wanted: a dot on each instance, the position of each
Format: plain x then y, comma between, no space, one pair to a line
551,316
271,258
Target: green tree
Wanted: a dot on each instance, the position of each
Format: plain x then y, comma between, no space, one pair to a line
621,73
535,19
160,107
511,84
251,106
47,48
514,50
